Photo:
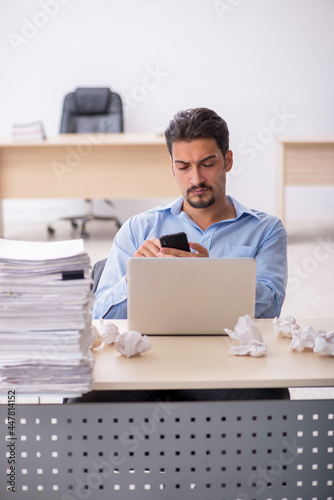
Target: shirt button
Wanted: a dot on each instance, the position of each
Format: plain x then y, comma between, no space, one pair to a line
123,296
205,242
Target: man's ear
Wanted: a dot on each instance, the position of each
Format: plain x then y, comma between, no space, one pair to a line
228,160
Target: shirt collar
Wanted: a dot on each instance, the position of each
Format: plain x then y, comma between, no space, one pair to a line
175,207
240,208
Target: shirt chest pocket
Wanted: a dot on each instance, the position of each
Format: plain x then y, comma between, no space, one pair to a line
239,251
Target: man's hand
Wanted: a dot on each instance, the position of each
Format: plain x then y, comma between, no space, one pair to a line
173,252
150,248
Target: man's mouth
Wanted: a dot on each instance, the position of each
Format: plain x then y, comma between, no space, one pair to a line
199,191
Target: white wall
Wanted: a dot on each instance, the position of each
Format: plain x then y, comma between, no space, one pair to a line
250,60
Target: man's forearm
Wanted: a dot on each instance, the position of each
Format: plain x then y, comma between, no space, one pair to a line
117,311
269,300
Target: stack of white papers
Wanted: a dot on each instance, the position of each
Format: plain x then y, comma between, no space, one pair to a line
45,318
28,132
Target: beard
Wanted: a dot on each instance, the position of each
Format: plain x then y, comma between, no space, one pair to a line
201,201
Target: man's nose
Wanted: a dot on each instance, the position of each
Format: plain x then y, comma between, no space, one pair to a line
197,176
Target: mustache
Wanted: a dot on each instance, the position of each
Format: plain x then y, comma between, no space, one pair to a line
200,186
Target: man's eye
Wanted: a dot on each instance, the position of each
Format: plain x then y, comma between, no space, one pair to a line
184,167
207,164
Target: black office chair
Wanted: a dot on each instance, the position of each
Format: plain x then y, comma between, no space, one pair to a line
91,110
97,272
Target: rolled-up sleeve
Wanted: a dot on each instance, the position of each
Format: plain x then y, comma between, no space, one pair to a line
271,274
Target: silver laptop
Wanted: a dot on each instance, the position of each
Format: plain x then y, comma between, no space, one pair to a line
188,296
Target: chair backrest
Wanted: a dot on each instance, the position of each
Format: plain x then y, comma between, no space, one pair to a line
92,110
96,273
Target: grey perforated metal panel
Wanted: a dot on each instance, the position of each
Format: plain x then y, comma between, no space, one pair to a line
197,451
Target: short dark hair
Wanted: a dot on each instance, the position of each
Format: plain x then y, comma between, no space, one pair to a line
197,123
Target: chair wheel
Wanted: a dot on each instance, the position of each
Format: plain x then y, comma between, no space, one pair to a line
84,235
74,224
51,230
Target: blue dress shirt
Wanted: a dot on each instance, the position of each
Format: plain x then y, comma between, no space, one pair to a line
250,234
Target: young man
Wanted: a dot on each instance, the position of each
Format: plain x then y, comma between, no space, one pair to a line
216,224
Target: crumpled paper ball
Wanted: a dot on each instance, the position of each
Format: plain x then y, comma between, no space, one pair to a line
108,331
304,339
284,327
324,343
104,332
97,340
251,341
132,343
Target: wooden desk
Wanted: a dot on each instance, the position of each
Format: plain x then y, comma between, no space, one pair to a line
303,161
194,450
204,362
86,166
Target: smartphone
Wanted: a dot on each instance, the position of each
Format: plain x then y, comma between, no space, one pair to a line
176,240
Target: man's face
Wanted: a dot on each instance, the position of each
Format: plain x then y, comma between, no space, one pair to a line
200,170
